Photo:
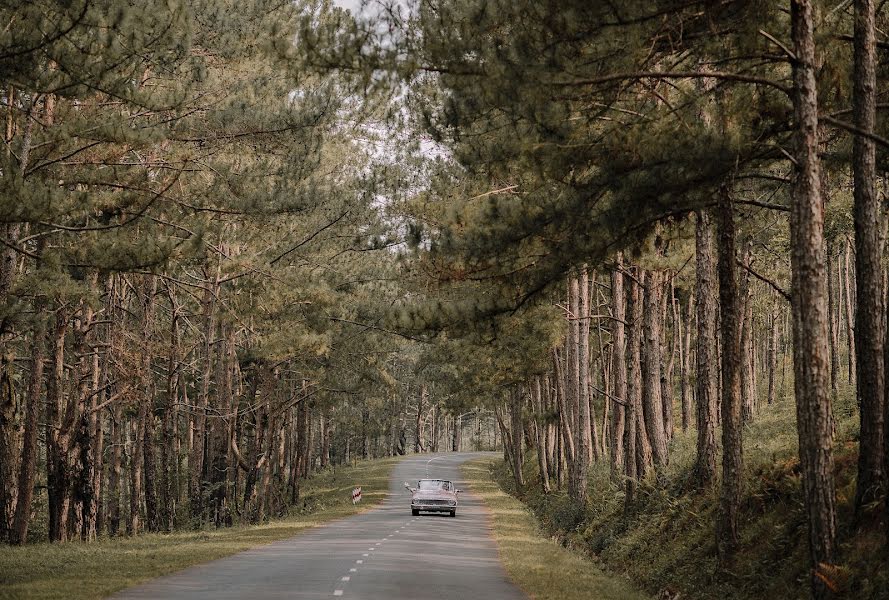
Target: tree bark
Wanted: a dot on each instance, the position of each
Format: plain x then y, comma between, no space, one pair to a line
28,466
729,311
834,326
668,338
540,434
9,447
584,414
515,434
809,288
634,388
774,332
848,277
418,429
618,367
57,475
706,352
149,467
867,215
683,324
651,391
748,391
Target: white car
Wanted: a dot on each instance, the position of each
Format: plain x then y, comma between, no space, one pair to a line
433,495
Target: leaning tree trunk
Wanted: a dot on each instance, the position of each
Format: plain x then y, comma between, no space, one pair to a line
867,214
730,309
809,284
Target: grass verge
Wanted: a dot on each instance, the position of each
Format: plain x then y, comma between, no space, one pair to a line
77,571
538,565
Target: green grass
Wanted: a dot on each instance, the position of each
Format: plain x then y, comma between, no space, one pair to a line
536,563
666,543
87,571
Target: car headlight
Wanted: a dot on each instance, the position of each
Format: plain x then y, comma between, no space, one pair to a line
453,503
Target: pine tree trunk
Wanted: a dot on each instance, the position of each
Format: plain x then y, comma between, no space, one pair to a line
706,381
683,324
848,277
196,464
668,338
618,368
9,448
28,466
809,284
418,428
57,481
516,437
147,385
325,437
867,213
168,420
540,434
114,475
773,347
833,326
652,406
136,429
564,414
730,311
746,327
92,448
634,388
584,415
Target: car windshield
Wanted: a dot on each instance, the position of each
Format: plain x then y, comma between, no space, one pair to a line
434,484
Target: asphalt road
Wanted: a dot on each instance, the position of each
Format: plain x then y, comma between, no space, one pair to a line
382,554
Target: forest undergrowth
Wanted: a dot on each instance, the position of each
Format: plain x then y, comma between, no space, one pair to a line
665,542
75,571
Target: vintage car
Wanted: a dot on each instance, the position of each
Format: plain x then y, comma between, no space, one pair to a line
433,495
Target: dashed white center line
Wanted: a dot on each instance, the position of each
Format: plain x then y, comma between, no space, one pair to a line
346,578
359,561
365,554
353,570
337,592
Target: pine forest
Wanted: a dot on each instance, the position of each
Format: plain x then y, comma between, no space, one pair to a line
637,249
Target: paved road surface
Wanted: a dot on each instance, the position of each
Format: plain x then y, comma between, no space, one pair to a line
379,555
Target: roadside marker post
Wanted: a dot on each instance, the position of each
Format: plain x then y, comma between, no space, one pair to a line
356,495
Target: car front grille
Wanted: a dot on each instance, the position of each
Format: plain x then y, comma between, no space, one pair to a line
433,502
